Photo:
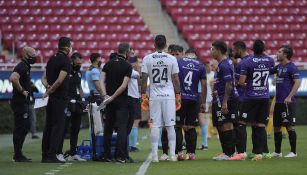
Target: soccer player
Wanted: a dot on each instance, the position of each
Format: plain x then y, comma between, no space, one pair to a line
254,76
191,72
287,84
162,70
176,51
224,105
239,54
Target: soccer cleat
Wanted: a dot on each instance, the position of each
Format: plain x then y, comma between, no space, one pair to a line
120,160
267,155
291,155
134,149
217,156
239,156
60,157
75,157
173,158
180,156
204,148
276,155
250,156
257,157
192,156
222,157
164,157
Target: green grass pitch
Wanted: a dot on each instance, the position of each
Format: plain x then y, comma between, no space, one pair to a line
203,165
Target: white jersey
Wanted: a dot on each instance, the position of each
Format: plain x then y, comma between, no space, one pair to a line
210,78
160,67
133,87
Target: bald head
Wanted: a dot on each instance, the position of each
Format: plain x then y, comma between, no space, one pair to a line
28,52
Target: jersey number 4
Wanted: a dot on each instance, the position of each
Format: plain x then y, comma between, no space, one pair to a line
158,75
257,77
188,78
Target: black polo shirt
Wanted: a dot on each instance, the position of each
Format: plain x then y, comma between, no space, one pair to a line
23,69
116,70
57,63
74,84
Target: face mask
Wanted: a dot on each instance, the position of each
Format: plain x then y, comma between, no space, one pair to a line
99,64
31,60
77,67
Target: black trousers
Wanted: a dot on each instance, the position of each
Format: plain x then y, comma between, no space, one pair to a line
73,123
54,126
22,124
117,118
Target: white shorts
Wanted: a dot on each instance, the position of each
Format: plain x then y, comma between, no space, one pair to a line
162,112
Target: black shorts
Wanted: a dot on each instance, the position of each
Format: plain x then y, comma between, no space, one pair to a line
255,111
188,113
219,119
134,107
282,116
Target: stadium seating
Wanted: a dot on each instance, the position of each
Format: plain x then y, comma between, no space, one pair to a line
94,25
277,22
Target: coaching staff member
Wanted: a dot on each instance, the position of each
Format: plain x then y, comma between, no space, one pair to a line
114,80
20,102
56,81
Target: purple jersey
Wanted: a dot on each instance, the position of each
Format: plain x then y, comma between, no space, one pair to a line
224,73
257,71
190,73
237,76
285,80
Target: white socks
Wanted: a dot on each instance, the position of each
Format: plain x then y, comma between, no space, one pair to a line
171,134
155,133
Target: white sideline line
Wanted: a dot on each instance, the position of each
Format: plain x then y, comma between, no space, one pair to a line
142,170
59,168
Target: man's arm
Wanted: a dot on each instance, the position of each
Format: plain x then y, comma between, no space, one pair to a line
121,88
56,84
144,82
14,78
44,80
103,84
228,89
176,82
81,91
97,85
294,89
242,80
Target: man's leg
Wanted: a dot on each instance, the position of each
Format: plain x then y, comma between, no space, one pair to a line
74,132
122,118
108,131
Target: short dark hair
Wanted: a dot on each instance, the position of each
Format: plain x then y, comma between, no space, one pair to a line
240,45
221,46
76,55
258,47
229,53
123,48
113,56
190,50
286,49
171,47
64,42
94,57
178,48
160,41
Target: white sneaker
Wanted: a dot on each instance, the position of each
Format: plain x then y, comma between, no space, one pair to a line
174,158
276,155
155,159
75,157
291,154
222,157
164,157
60,157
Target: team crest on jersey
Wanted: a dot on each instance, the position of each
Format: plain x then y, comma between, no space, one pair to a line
79,74
284,70
25,115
